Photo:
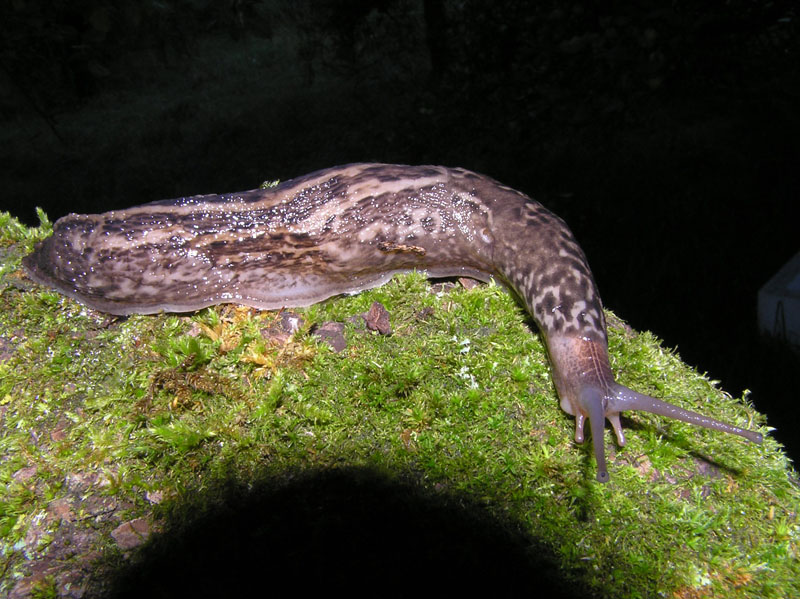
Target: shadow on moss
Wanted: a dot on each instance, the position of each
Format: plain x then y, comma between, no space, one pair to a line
352,530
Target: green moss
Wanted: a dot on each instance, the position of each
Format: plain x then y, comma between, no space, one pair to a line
458,397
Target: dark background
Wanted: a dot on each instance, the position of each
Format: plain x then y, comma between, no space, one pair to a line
666,134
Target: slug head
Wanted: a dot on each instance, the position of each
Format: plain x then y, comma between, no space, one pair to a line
587,390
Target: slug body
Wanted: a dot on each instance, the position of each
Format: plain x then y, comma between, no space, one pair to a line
346,229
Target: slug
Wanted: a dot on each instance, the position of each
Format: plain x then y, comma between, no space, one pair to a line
349,228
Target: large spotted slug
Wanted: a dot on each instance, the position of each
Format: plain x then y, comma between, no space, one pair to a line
349,228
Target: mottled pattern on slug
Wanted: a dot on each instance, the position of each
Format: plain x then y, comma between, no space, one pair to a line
561,291
334,231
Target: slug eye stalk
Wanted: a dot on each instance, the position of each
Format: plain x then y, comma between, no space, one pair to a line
628,399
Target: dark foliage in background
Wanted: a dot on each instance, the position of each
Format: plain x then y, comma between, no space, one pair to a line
60,52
